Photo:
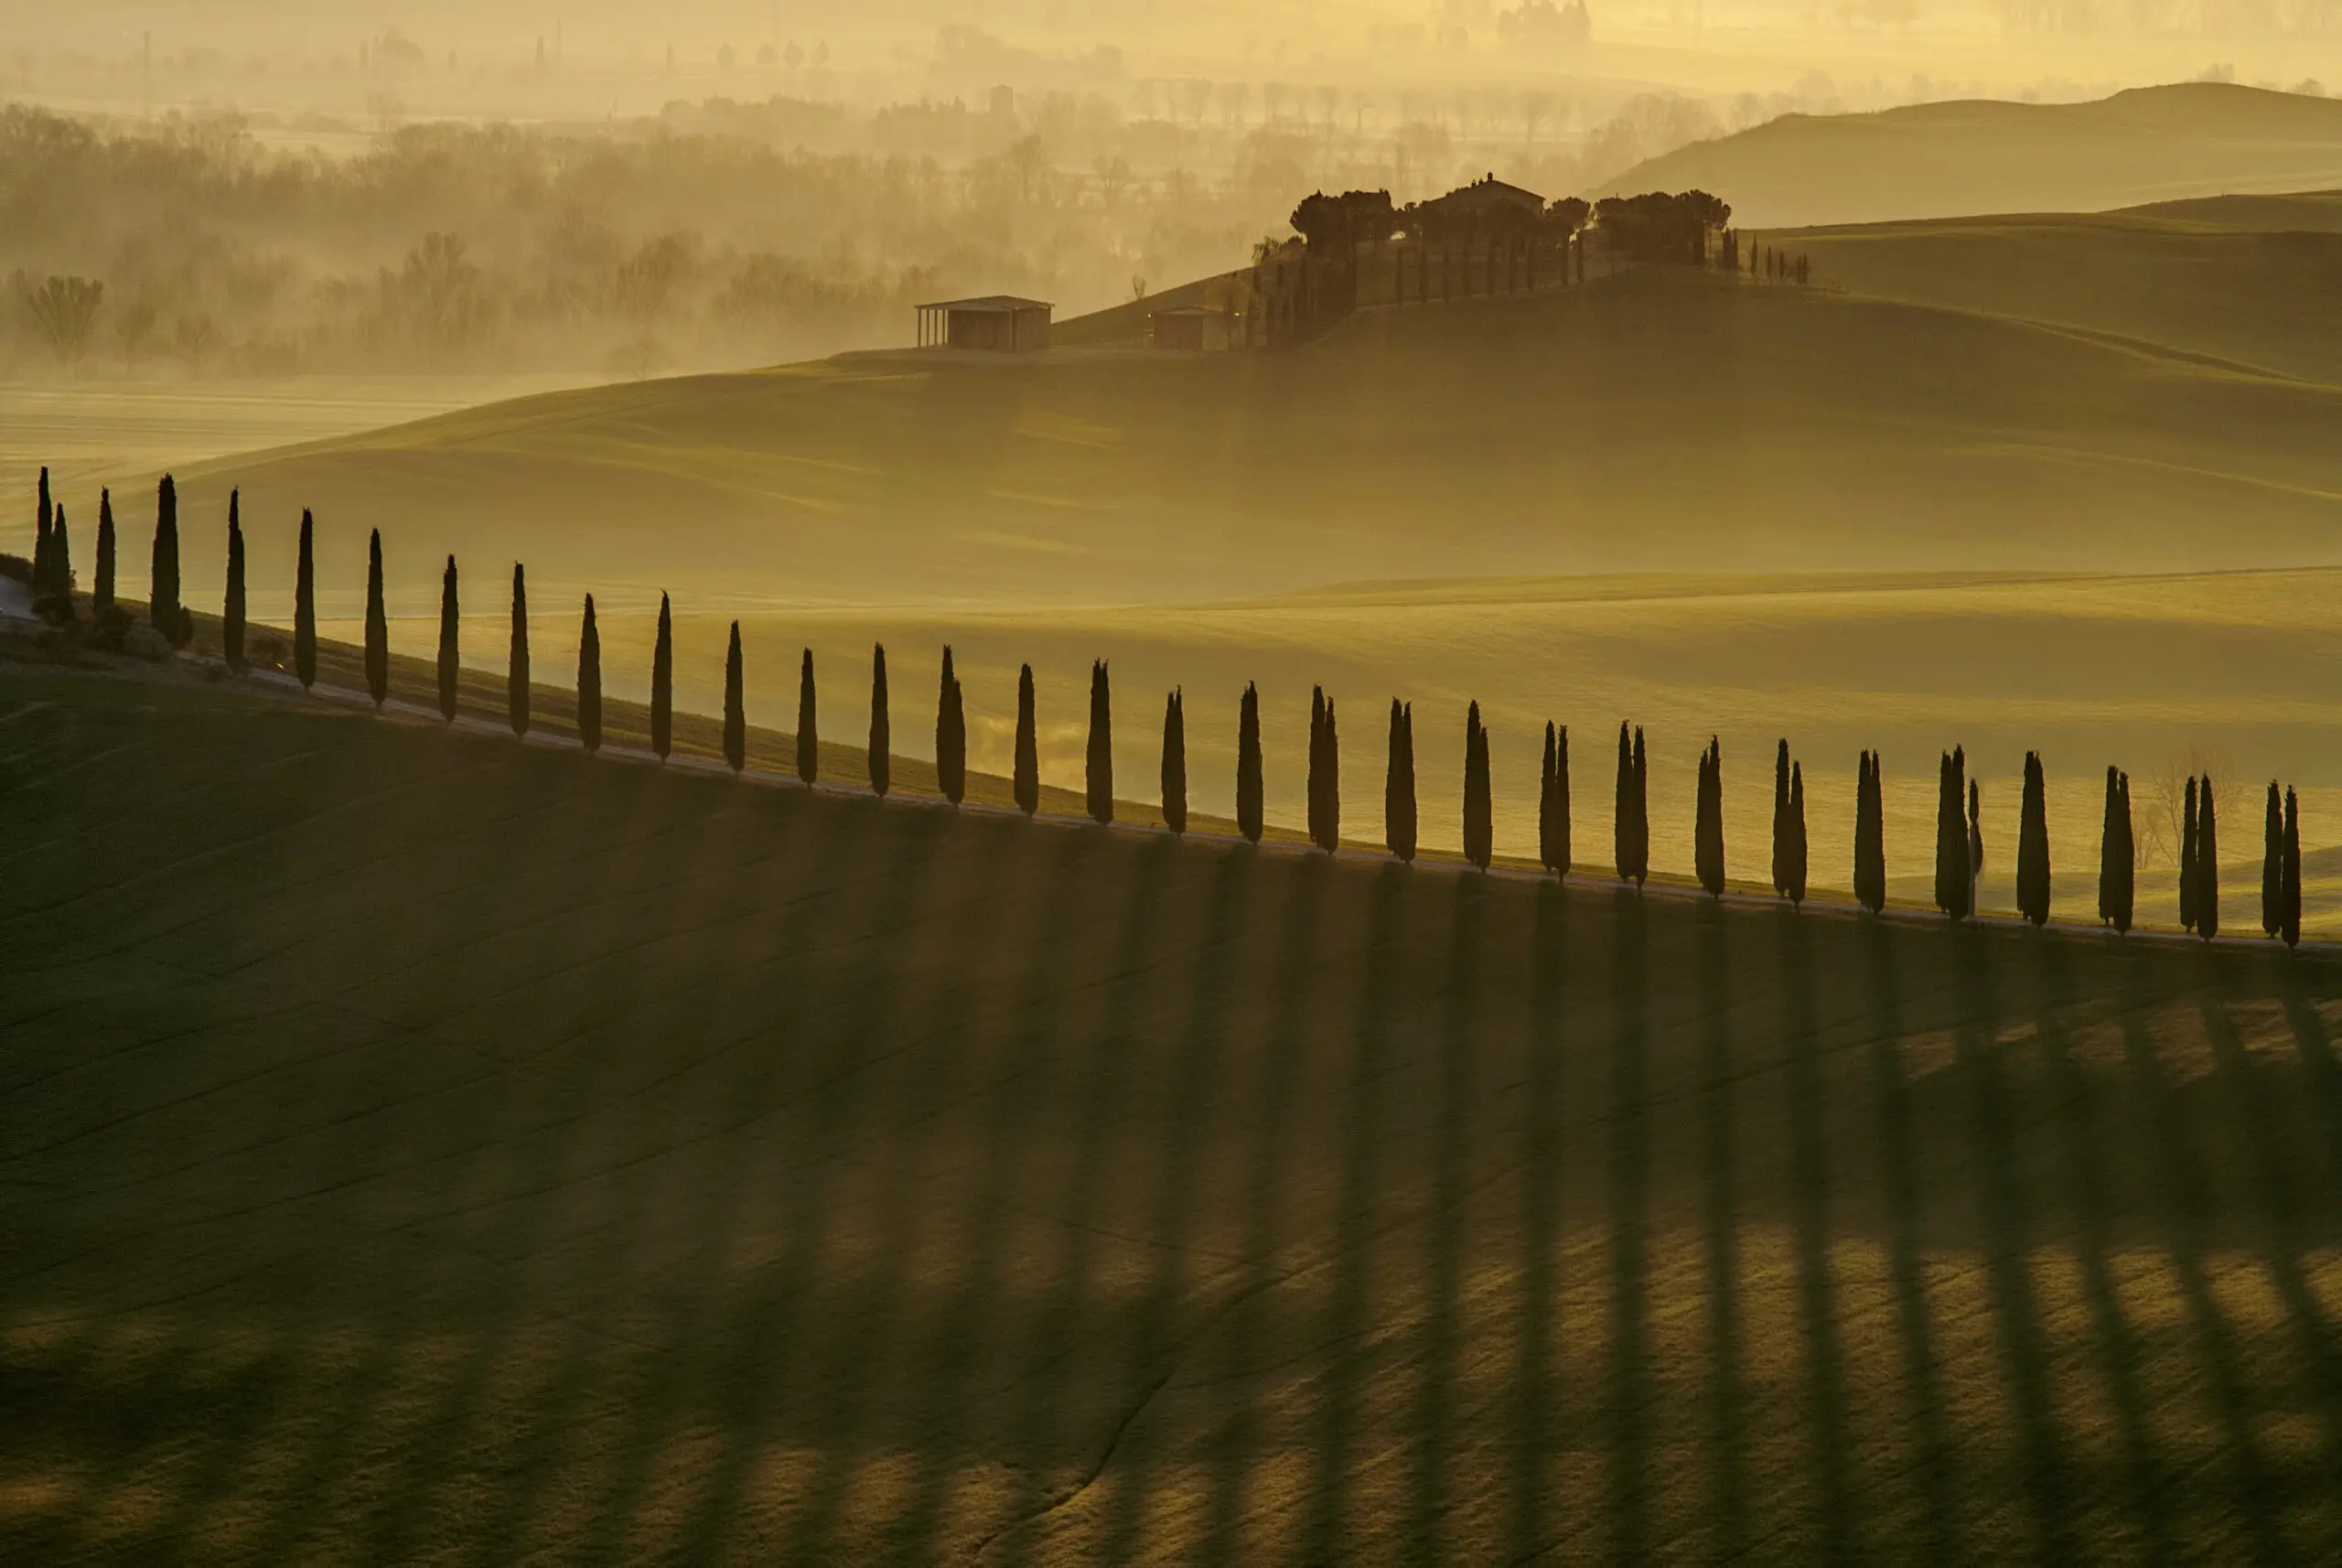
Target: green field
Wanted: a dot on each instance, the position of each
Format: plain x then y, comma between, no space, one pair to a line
416,1146
1976,156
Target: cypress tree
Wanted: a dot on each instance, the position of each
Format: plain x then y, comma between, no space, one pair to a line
1399,786
164,608
2188,861
1954,873
2273,864
304,605
589,681
45,516
1796,834
1249,785
1029,747
2033,846
951,735
1867,825
736,711
231,603
1316,803
55,597
1781,818
101,592
1561,846
2207,864
1707,837
1175,762
2109,841
809,738
1975,836
516,680
378,625
1478,817
2290,908
882,742
1622,829
662,684
1545,803
2126,857
1642,811
1099,766
450,645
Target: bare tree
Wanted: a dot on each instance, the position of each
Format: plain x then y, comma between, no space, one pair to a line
134,328
62,310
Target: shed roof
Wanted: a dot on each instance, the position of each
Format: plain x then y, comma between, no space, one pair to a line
986,302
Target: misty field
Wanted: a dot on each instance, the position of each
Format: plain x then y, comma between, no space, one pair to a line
417,1147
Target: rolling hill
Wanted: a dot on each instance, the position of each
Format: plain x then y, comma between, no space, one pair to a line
2248,281
1957,159
1662,423
416,1147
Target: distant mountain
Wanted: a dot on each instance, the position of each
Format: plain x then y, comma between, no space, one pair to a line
1957,159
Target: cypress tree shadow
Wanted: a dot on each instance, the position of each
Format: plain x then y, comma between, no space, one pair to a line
2004,1211
2078,1096
1938,1487
1431,1425
1237,1440
1347,1306
2186,1203
1627,1427
1530,1525
1719,1174
1157,1342
1816,1290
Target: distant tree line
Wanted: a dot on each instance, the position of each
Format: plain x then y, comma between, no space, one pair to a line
1959,830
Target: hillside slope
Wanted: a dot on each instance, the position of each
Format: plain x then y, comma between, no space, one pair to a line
423,1149
1953,160
2253,281
1664,422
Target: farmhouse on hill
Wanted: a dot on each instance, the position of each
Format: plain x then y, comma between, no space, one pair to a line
1002,322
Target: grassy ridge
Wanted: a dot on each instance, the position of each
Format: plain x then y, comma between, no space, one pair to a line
1950,159
2248,282
414,1148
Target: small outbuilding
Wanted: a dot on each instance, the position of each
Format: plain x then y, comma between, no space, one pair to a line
995,321
1181,326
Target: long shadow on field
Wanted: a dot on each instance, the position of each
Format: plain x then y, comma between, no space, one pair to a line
1091,1120
1899,1170
2185,1198
2004,1211
1431,1423
2079,1099
822,1039
1719,1183
1816,1290
1347,1306
1249,1319
1629,1389
1528,1523
953,1356
2261,1134
1156,1340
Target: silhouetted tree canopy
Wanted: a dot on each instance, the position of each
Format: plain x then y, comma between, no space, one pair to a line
589,681
1027,781
1098,770
662,684
1662,229
516,681
882,735
378,625
1355,216
1174,763
231,603
735,712
809,734
1399,784
304,605
1249,784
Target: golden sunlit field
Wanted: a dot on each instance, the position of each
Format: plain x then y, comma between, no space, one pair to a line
419,1147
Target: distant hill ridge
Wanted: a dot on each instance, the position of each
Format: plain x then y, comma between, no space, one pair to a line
1973,156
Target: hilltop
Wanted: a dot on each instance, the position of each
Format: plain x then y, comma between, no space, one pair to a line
1953,159
419,1147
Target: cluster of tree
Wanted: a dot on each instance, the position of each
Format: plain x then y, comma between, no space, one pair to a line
1959,835
1655,228
1768,264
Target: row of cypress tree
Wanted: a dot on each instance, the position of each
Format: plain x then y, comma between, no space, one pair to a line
1960,819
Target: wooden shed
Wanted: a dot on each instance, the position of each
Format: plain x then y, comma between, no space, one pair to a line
996,321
